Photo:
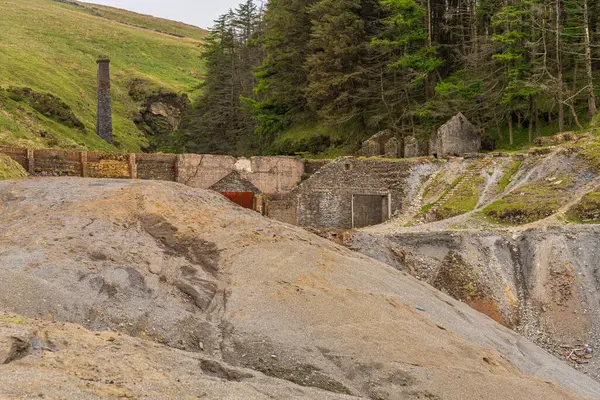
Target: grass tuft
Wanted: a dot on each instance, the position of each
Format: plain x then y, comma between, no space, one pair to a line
10,169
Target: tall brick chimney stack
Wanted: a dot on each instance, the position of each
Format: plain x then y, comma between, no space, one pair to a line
104,112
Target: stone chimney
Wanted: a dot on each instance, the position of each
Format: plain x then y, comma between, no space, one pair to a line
104,112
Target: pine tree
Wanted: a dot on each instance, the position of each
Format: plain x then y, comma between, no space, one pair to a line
231,53
404,65
411,61
282,77
338,63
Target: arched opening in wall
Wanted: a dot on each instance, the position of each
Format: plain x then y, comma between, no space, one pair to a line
370,209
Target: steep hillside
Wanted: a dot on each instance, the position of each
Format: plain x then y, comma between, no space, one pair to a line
51,48
515,237
242,296
145,21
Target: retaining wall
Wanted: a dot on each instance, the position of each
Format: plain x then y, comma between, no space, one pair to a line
270,175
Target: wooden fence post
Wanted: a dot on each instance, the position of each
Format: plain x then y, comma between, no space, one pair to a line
84,164
132,167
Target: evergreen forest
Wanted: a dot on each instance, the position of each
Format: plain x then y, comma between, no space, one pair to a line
320,76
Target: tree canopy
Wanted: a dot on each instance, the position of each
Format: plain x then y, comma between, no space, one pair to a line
405,65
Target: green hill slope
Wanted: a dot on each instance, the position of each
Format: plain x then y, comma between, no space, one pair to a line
51,47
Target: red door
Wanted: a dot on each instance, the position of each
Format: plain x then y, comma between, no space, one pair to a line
244,199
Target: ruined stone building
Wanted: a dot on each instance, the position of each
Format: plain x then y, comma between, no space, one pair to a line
455,138
347,193
383,144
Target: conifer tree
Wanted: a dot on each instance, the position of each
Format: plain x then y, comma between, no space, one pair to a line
231,54
337,65
282,77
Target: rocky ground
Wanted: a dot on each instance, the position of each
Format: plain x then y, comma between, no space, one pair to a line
155,290
522,255
541,282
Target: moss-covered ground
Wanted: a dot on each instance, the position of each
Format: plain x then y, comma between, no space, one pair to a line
509,172
531,202
465,199
587,210
10,169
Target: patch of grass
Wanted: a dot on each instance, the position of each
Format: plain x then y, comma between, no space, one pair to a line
12,320
521,135
531,202
509,172
455,183
591,154
434,185
463,201
10,169
587,211
52,48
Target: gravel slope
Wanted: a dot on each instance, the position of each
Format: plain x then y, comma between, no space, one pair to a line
189,270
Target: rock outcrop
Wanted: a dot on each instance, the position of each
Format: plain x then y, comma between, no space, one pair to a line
258,308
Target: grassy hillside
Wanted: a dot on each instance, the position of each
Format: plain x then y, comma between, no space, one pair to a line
146,21
52,47
10,169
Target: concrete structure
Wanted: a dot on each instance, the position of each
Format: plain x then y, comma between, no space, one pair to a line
270,175
104,111
387,145
412,147
392,148
456,137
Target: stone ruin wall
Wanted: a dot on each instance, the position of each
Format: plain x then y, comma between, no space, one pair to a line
306,193
326,199
270,175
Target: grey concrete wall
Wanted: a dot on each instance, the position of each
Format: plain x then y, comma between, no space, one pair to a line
203,171
270,175
274,174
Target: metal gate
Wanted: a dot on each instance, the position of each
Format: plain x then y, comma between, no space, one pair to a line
244,199
369,210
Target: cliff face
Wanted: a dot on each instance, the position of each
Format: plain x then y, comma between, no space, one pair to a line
541,282
265,309
160,113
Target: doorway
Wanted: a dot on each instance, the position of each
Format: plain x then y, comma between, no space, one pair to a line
369,210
